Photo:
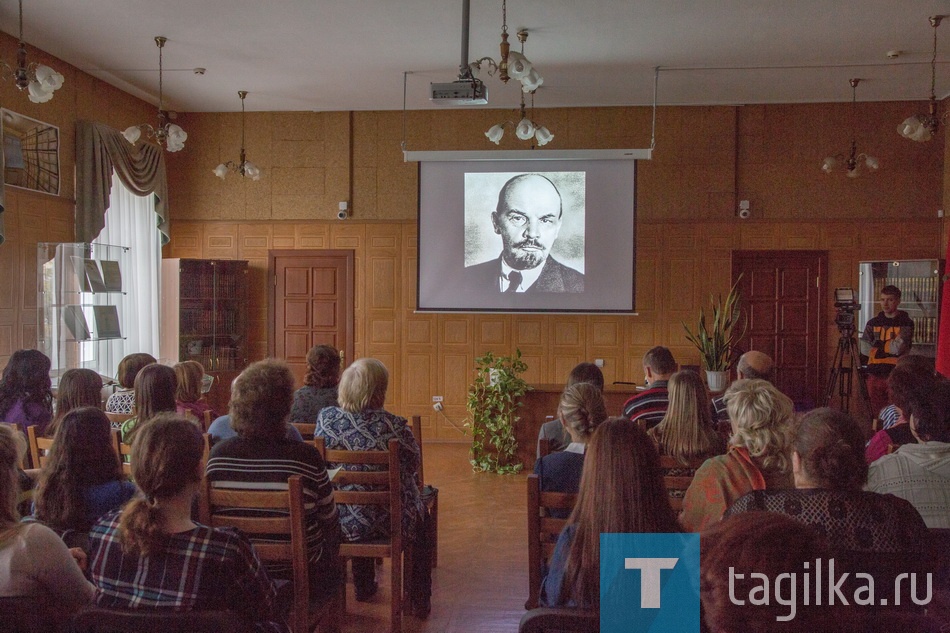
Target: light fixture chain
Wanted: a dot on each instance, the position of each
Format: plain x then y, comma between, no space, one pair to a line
933,65
21,20
161,97
504,15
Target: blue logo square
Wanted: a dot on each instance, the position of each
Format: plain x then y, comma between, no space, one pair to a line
649,583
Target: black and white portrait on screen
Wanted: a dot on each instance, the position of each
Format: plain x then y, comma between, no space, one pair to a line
524,232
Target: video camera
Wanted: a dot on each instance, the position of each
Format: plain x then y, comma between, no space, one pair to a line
845,308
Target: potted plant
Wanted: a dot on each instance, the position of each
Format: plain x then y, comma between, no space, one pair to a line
492,405
716,340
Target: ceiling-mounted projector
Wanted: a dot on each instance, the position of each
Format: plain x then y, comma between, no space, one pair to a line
461,92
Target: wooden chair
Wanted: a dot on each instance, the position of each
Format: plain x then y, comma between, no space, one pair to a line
676,485
387,492
206,421
289,524
99,620
306,430
559,620
125,451
543,531
544,447
432,502
39,447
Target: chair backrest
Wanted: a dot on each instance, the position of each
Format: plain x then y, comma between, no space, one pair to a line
285,520
206,421
564,620
544,447
98,620
543,531
306,429
677,478
125,452
117,419
416,423
39,447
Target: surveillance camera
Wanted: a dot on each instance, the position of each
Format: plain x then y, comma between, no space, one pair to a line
342,215
745,214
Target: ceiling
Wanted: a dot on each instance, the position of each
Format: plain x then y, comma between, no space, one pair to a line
351,54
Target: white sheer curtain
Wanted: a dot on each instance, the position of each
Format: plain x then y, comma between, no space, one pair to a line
131,222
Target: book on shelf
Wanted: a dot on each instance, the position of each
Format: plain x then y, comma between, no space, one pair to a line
75,321
107,321
94,275
111,275
79,267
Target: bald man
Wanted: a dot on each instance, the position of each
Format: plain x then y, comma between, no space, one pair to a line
751,365
528,219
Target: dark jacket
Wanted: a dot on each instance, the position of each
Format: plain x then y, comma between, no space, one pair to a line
555,277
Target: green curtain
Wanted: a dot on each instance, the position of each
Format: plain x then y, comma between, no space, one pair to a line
141,168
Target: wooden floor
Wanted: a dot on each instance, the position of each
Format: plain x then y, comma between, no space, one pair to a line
481,582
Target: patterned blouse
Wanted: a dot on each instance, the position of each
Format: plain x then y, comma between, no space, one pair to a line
122,401
371,430
202,569
852,520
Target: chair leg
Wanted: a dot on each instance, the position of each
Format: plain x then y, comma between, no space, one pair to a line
434,530
396,597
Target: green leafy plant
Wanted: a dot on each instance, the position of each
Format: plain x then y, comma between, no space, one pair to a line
717,341
493,400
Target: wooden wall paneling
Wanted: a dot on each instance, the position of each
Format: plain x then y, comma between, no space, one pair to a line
11,260
254,242
311,235
568,345
530,334
382,300
352,236
800,236
284,236
220,241
605,340
187,240
493,333
456,366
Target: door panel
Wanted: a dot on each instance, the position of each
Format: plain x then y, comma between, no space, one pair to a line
311,304
782,298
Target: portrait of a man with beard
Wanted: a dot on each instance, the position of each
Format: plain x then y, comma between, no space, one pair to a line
528,218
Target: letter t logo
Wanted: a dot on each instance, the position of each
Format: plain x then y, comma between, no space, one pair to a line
649,578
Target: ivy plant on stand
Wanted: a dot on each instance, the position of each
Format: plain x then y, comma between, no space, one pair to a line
716,340
493,401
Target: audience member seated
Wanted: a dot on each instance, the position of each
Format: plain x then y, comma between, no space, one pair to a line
686,432
920,472
83,478
752,365
581,411
829,471
155,388
123,400
25,395
189,401
738,552
756,460
621,491
33,560
77,388
913,378
649,406
262,457
151,555
320,384
553,431
361,424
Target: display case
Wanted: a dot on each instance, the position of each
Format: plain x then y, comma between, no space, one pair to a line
919,283
80,296
204,318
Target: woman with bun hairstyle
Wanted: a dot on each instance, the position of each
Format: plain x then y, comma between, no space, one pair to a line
151,555
320,384
829,470
77,388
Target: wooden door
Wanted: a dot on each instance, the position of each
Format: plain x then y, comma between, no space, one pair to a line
311,303
783,298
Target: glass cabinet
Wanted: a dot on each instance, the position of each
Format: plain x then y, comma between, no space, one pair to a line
919,283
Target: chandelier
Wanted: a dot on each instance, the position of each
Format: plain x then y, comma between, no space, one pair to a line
855,163
525,129
922,127
166,134
39,80
245,167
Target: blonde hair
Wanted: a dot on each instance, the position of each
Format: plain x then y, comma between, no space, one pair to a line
685,432
189,374
582,409
363,386
12,450
762,416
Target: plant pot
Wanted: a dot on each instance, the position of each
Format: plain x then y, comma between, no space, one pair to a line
717,380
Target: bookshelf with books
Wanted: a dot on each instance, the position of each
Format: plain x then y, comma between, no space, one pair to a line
80,296
919,283
204,318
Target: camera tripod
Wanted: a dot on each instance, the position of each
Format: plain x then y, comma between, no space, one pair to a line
845,366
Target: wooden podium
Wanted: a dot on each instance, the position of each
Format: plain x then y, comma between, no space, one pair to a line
540,404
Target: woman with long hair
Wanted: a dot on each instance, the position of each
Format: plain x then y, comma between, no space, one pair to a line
686,431
757,459
320,384
26,397
621,491
155,388
34,561
83,478
77,388
151,555
189,401
123,400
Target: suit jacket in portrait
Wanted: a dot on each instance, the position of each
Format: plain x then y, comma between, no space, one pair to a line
554,277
